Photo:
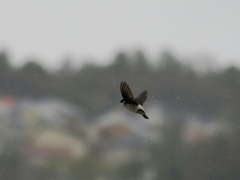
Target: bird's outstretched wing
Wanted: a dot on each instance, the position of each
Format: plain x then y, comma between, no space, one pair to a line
141,98
126,91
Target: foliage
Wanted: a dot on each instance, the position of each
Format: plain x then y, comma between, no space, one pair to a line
96,88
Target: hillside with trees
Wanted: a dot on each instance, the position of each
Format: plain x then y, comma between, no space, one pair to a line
181,91
96,88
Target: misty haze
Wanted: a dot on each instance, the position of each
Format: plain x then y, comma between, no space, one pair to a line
61,66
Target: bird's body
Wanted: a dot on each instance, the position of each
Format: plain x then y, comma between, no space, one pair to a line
131,103
132,108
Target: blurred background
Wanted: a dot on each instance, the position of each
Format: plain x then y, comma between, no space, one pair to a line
61,64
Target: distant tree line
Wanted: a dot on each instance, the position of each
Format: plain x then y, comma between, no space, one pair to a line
96,88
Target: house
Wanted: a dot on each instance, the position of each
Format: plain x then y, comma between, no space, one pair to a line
54,143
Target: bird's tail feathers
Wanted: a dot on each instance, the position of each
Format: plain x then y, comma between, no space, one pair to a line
140,111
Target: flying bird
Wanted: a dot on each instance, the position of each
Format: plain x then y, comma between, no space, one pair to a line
131,103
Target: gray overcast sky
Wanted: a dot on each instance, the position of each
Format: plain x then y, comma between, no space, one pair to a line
53,29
